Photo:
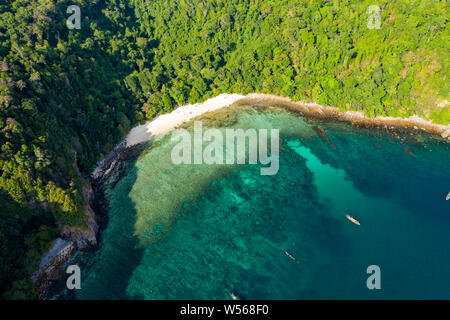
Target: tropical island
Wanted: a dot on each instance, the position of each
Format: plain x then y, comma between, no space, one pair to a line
68,96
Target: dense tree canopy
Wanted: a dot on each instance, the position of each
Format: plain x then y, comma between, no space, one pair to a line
67,96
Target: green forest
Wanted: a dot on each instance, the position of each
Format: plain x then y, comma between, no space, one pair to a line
67,96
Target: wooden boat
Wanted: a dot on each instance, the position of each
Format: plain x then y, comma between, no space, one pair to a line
289,255
349,217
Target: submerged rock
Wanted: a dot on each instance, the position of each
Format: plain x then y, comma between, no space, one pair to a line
324,136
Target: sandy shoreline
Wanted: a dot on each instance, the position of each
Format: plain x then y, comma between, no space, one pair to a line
164,123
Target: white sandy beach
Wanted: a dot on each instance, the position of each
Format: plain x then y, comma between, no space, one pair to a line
165,122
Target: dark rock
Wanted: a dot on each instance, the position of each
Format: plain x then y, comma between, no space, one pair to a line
52,267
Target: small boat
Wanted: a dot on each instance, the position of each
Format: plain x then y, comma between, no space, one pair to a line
233,296
349,217
448,196
289,255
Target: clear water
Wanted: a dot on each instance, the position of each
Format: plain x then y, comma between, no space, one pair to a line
202,232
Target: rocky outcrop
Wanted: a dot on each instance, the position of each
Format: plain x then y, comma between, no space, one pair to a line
114,162
108,161
84,238
52,267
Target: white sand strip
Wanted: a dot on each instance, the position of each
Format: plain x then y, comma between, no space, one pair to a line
165,122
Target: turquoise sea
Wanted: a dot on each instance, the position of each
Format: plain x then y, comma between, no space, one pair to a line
205,231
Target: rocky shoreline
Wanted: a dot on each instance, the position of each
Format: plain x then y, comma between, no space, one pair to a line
356,118
54,263
72,240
